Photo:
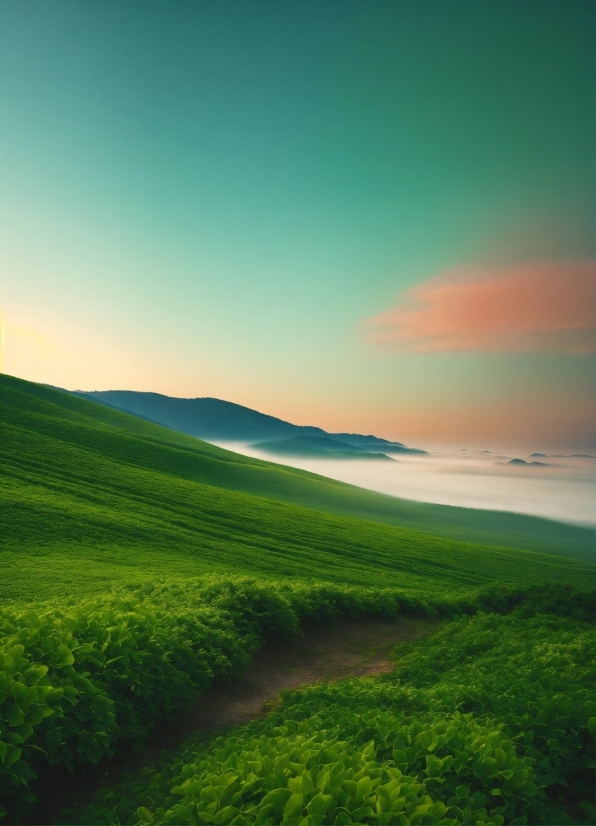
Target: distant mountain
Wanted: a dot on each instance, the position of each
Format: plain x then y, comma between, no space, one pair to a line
572,456
320,447
215,420
565,455
523,462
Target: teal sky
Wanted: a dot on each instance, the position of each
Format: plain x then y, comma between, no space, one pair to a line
212,198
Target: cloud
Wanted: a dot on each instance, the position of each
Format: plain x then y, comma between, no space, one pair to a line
536,306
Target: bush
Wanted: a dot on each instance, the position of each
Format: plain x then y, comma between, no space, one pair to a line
492,718
77,682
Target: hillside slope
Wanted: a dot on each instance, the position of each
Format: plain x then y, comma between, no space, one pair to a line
90,496
310,490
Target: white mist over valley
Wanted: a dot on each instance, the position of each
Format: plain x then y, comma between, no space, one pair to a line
560,488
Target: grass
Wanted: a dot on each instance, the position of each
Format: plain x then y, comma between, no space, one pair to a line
90,497
100,504
310,490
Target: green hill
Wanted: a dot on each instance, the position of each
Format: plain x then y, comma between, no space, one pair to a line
90,497
299,487
203,462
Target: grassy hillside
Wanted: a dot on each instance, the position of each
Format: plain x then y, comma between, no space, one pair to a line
89,496
92,498
185,457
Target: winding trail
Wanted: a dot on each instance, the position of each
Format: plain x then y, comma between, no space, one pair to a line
346,648
324,653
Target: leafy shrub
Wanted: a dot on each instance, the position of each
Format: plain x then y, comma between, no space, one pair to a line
48,708
75,683
301,776
78,681
492,716
566,601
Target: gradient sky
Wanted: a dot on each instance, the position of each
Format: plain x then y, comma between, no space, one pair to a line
371,216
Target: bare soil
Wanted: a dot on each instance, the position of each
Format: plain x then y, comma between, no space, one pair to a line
347,648
344,648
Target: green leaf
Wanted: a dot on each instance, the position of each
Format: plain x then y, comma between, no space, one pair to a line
461,792
294,805
25,730
500,757
18,690
13,755
319,804
144,815
363,788
359,814
64,655
425,738
15,716
277,797
478,800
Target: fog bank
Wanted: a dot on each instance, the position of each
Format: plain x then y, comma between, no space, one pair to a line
563,489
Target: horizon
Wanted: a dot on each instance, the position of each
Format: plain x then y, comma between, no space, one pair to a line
434,447
370,219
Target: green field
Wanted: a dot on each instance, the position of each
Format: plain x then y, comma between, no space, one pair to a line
301,488
89,496
138,564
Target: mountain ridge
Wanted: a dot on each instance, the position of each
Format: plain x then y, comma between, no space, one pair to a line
214,419
318,447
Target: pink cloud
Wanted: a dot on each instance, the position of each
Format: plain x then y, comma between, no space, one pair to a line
537,306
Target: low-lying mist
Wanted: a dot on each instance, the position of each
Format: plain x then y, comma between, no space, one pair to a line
563,488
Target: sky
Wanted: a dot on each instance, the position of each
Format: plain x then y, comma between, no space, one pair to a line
368,216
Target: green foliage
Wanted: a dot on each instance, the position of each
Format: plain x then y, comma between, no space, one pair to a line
490,720
567,601
79,681
75,683
440,772
536,675
49,708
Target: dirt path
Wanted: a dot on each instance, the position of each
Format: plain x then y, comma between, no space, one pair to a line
347,647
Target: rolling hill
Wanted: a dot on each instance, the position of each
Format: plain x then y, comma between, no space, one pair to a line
299,487
90,497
